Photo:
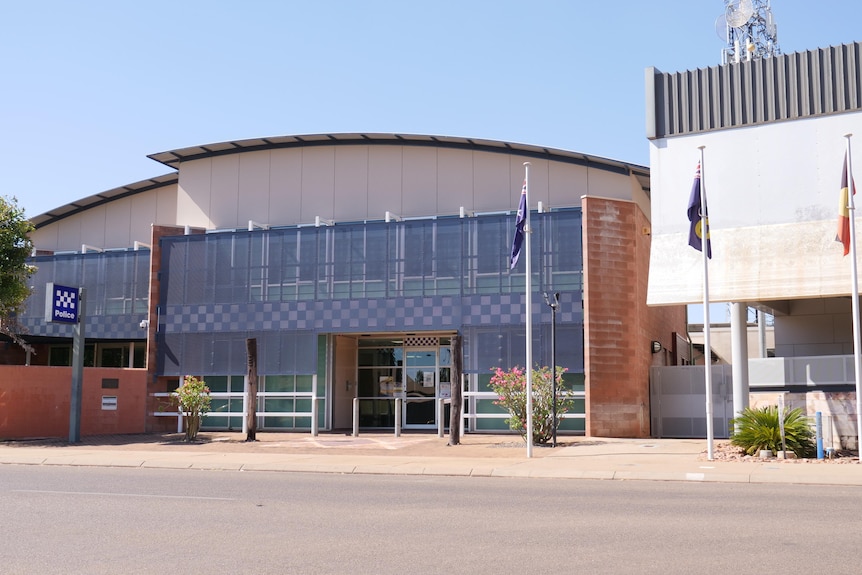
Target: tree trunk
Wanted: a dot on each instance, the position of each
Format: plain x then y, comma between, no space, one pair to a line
455,405
251,392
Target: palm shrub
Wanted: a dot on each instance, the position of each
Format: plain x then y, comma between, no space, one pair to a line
511,389
756,429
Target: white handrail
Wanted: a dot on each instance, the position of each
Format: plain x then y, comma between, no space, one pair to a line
312,413
486,395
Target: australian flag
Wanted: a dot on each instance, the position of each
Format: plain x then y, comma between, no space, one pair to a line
520,220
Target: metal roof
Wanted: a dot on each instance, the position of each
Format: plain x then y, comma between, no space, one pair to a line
83,204
173,158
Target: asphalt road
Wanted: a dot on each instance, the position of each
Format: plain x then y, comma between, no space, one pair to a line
113,520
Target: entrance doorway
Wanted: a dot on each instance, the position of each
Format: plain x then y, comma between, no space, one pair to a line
416,369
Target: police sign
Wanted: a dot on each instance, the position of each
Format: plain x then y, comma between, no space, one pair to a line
62,303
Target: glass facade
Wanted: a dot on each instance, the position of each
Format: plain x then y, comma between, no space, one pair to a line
430,257
291,288
117,285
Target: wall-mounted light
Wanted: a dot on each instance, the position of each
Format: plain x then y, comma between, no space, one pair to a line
656,346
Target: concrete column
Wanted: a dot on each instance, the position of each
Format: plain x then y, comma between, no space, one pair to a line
761,332
739,355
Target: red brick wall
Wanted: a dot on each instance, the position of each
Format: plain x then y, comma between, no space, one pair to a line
34,401
618,325
154,385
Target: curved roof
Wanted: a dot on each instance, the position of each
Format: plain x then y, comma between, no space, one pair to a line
173,158
83,204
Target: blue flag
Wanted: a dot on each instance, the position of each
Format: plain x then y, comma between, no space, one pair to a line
696,234
520,220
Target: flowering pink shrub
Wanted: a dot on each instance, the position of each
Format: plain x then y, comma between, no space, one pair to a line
511,387
193,397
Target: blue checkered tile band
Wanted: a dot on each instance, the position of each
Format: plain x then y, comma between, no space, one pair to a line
396,314
96,327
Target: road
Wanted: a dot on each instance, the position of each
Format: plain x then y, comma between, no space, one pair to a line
117,520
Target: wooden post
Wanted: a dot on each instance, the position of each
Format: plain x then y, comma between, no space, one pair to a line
251,390
455,406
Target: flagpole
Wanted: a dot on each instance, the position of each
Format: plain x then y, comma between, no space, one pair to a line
857,348
529,312
707,349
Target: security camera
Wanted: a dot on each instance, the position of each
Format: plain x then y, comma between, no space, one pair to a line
145,323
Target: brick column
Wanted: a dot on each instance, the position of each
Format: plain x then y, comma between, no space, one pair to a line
618,325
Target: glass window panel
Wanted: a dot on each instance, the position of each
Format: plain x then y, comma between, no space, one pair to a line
448,249
304,383
489,351
375,289
237,383
60,356
216,383
113,356
377,254
218,405
193,271
492,245
445,355
566,241
367,357
279,383
281,422
418,248
342,253
367,383
278,404
140,355
308,256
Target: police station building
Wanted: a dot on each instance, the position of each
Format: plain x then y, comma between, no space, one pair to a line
354,260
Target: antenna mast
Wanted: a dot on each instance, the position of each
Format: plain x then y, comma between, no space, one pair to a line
748,28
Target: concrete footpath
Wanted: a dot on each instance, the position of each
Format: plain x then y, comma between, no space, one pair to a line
426,454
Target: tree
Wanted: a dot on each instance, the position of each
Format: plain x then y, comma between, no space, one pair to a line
15,272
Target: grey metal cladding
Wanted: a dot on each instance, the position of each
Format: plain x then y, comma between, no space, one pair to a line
786,87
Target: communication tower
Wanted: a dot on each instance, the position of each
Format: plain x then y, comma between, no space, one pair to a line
748,28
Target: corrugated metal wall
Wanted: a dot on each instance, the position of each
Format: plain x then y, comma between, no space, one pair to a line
790,86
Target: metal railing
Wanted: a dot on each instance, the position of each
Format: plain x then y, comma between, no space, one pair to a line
396,412
472,397
312,413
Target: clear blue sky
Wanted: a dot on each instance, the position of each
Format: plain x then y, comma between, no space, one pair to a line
91,87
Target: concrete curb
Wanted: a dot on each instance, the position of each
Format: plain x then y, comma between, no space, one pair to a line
619,460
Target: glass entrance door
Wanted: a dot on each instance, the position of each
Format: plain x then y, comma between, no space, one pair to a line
421,376
415,369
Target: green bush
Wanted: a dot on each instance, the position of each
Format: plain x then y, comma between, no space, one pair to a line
757,429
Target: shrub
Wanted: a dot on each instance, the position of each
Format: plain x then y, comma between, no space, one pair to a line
193,397
511,387
757,429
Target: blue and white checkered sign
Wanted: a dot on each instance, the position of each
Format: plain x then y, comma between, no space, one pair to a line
63,303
